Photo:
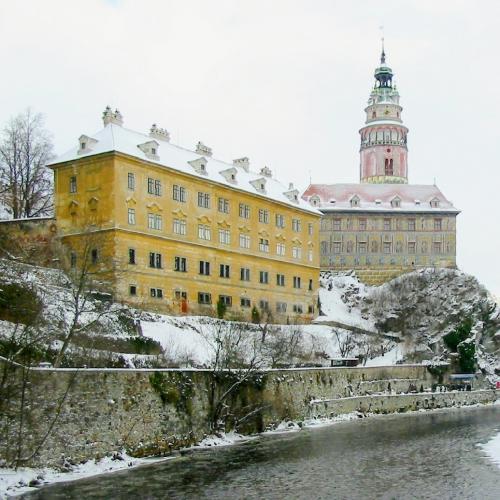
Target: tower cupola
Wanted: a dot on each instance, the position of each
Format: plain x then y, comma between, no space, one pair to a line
383,151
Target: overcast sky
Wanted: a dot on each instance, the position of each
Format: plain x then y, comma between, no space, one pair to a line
283,82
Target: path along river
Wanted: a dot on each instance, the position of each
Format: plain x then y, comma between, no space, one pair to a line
417,455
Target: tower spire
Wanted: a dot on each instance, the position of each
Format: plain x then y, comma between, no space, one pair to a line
382,56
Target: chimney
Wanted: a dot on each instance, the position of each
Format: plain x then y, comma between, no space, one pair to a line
243,163
266,171
159,133
203,150
109,117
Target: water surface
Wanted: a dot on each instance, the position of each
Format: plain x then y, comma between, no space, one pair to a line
417,455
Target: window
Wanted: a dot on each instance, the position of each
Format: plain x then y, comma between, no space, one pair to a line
280,221
245,302
362,247
203,200
281,307
204,267
179,294
263,216
131,216
412,247
362,224
264,305
310,287
180,264
387,247
131,256
223,205
72,258
280,280
337,224
263,245
155,260
389,166
434,203
387,224
296,282
204,232
204,298
396,203
296,252
154,186
154,222
437,247
156,293
244,211
296,225
131,181
224,271
132,290
245,274
72,184
438,224
224,236
94,255
310,255
264,277
280,249
411,224
244,241
226,300
179,193
310,228
337,247
179,226
297,308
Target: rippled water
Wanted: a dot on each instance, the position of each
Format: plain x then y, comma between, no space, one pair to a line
424,455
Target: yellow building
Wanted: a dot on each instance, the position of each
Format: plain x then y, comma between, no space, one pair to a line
180,231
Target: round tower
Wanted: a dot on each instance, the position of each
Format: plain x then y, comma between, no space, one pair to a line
383,152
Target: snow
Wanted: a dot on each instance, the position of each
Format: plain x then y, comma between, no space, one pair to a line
116,138
389,358
16,482
492,449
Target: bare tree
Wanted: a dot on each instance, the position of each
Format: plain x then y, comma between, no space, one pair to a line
345,342
87,272
282,346
236,360
25,180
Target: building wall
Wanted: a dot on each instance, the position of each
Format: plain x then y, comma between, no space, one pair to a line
385,241
125,211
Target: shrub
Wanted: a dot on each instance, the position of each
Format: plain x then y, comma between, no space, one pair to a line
18,304
461,333
221,309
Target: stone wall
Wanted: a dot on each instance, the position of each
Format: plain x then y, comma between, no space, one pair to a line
93,412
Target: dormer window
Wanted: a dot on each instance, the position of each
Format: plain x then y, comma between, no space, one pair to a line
314,200
417,203
378,202
396,202
150,149
200,165
229,174
259,185
434,203
332,201
85,144
355,201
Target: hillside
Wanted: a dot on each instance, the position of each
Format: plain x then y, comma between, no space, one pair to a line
413,318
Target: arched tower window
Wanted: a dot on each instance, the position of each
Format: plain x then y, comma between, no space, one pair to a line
374,115
389,166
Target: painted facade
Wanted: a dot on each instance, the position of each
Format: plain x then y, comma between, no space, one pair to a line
177,231
383,226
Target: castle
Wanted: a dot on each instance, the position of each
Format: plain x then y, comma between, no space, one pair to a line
178,231
383,226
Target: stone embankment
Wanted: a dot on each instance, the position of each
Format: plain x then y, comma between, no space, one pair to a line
55,417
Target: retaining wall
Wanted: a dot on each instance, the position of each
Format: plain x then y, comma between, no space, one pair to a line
149,412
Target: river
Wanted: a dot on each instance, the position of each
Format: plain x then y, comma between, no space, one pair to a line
416,455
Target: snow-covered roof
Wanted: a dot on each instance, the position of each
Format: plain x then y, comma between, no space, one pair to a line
378,197
114,137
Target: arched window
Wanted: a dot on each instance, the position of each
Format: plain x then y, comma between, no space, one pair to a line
389,166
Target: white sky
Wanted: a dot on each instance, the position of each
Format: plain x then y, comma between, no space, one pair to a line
283,82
